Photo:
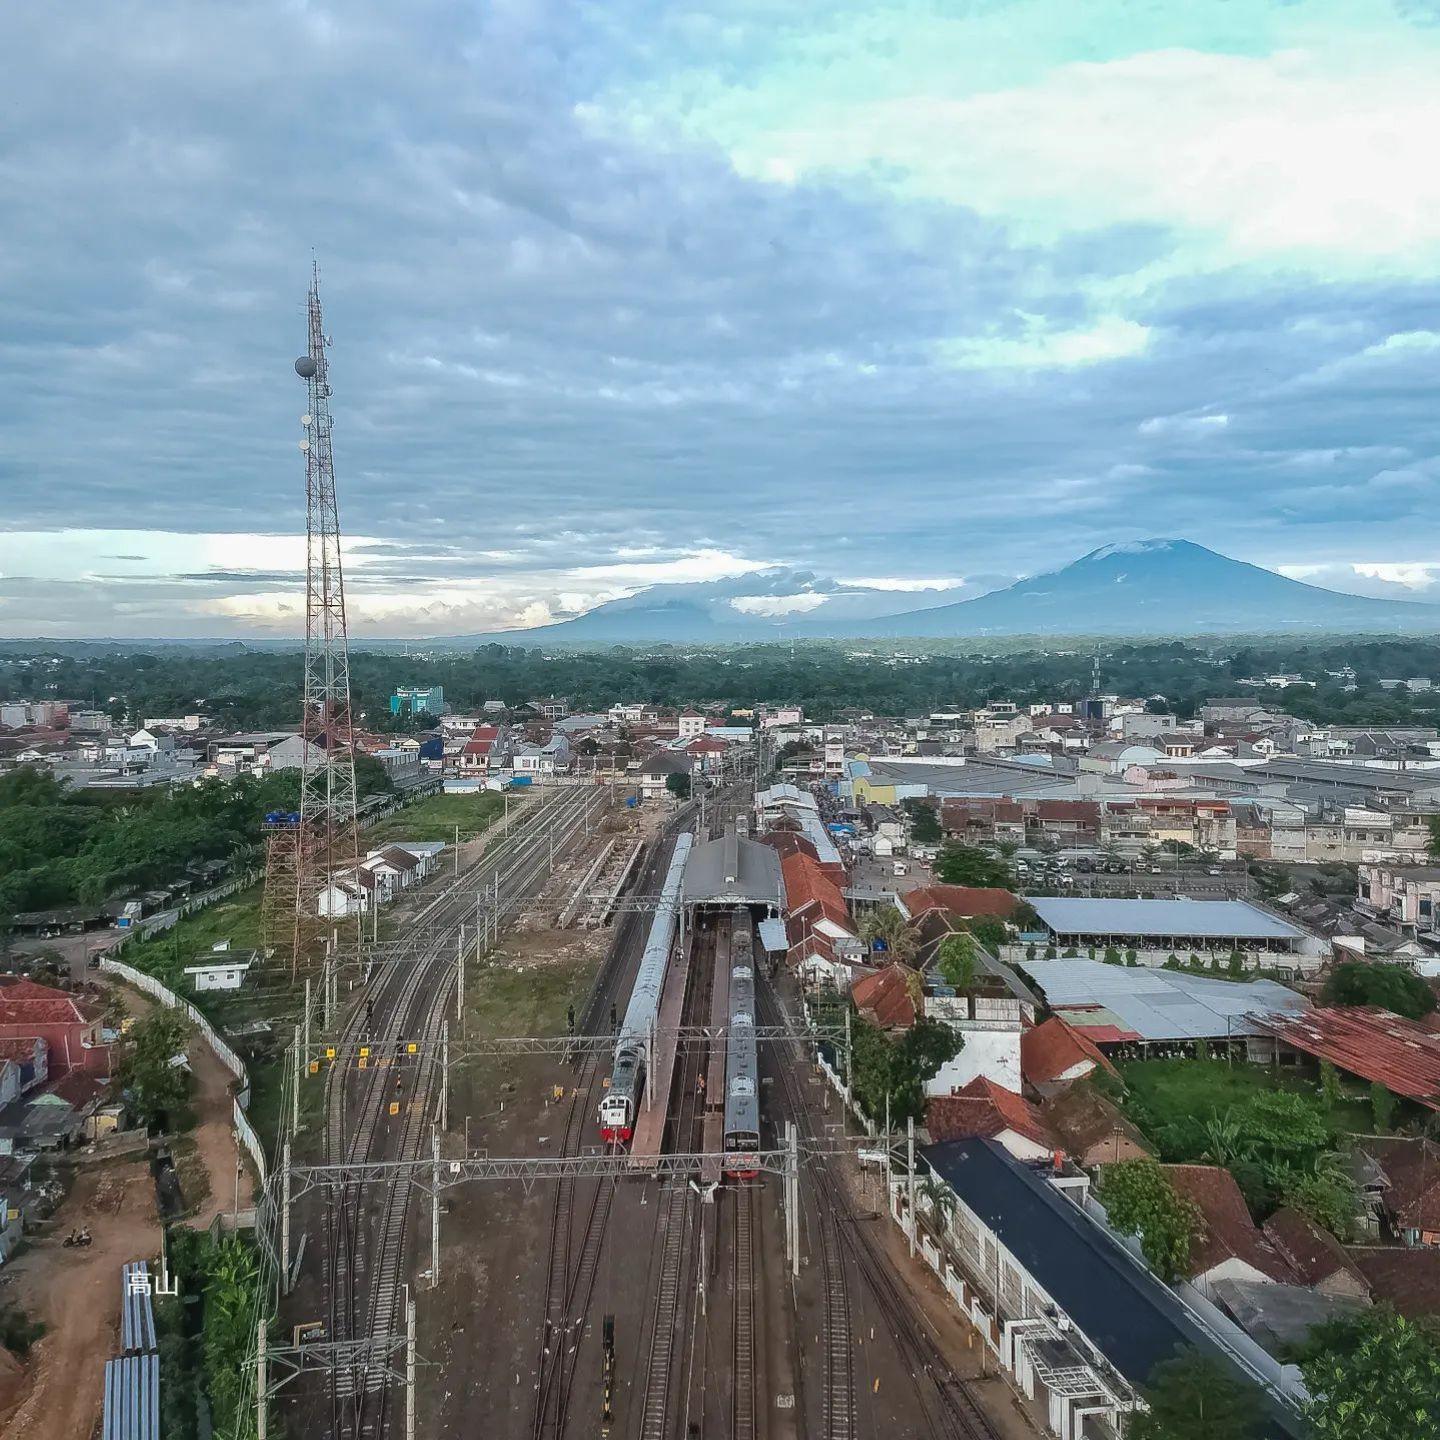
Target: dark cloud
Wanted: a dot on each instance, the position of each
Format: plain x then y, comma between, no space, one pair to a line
553,342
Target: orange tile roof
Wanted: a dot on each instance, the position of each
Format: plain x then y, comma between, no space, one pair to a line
1230,1233
886,997
23,1002
806,884
1049,1050
983,1108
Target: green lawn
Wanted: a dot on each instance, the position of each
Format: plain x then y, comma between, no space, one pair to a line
236,918
436,816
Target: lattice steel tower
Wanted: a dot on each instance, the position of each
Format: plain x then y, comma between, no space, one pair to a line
325,840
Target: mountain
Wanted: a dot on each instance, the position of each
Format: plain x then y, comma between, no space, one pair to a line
1157,587
1144,587
763,605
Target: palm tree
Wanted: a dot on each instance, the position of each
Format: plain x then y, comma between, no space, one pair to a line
1222,1135
886,923
939,1199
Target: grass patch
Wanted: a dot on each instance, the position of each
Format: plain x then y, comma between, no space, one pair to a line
436,817
236,919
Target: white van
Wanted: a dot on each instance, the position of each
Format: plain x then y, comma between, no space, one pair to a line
900,868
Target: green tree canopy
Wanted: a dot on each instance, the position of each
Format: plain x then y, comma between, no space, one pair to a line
1370,982
1140,1200
1196,1396
899,1065
989,931
678,784
1373,1376
959,962
969,865
154,1087
924,822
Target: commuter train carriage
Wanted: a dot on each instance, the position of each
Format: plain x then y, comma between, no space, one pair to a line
627,1075
742,1070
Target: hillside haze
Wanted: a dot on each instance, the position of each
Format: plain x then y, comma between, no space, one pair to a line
1149,587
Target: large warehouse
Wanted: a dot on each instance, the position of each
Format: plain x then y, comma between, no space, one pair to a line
1180,927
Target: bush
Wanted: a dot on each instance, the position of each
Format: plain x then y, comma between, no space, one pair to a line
1382,1103
1368,982
1112,956
18,1332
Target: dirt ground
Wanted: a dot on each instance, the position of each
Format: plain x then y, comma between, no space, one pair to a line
77,1294
214,1133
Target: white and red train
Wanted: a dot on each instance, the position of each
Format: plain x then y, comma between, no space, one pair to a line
627,1076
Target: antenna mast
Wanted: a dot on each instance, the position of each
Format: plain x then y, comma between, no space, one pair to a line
325,838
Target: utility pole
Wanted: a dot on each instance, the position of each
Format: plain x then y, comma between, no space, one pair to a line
445,1076
793,1171
409,1365
306,1053
262,1379
435,1208
910,1183
849,1056
285,1218
295,1089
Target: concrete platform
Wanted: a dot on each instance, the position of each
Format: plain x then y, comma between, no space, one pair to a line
713,1123
654,1108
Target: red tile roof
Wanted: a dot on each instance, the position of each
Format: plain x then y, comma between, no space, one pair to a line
966,901
807,884
1376,1045
886,997
1230,1233
1314,1254
23,1002
1403,1276
1049,1050
983,1108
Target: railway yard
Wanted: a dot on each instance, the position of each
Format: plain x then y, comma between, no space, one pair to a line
622,1303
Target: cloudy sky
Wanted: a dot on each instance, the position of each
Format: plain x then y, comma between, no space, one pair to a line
642,291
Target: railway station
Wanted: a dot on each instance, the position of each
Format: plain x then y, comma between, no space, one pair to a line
734,871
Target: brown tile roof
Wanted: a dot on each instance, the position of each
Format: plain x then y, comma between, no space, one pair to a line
1403,1276
886,997
1412,1166
1376,1045
1314,1254
20,1048
1049,1050
967,901
1082,1118
808,884
1229,1230
983,1108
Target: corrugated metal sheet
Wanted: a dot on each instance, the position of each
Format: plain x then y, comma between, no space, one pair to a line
137,1313
132,1398
772,935
1213,919
1158,1004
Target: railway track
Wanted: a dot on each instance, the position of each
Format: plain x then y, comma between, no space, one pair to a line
403,1002
951,1410
742,1408
660,1364
572,1269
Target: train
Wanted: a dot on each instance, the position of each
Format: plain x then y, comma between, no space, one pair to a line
627,1073
742,1071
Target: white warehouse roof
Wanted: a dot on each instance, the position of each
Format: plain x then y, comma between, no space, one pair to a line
1117,1002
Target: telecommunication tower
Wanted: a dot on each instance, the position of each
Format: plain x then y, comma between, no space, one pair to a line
323,846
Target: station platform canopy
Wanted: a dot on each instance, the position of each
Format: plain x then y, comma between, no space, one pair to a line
734,871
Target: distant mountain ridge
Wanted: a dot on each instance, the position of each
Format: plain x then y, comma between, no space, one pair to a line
1143,587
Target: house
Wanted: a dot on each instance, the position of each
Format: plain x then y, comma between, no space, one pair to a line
1400,1183
1317,1258
991,1014
962,902
69,1027
31,1056
1055,1054
393,868
655,773
1062,1307
887,997
1091,1129
548,758
1229,1246
224,970
984,1110
484,751
691,726
1407,1280
818,927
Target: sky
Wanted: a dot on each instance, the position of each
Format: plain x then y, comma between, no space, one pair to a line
651,291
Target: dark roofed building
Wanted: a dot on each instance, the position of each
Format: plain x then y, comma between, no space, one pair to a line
1231,1246
1402,1185
1315,1255
734,870
1093,1323
1408,1280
